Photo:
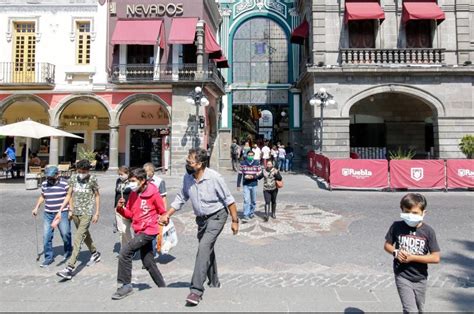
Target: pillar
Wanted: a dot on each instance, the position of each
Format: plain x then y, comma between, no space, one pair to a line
113,148
200,49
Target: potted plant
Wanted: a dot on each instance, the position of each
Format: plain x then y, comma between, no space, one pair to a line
400,154
467,146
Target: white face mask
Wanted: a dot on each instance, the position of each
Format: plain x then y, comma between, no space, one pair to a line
123,177
133,186
82,176
411,219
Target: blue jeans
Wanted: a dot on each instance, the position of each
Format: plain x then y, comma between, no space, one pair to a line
281,164
250,200
289,164
48,233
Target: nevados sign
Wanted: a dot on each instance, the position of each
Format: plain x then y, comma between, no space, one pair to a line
149,10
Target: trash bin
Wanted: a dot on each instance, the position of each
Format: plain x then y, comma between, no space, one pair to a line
31,181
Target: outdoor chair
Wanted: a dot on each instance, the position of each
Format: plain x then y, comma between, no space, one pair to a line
65,170
39,174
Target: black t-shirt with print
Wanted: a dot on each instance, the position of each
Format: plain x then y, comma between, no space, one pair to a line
415,241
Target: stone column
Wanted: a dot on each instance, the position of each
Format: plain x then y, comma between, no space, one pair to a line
53,150
200,49
113,148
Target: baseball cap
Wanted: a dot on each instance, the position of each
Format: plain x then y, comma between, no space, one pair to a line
51,171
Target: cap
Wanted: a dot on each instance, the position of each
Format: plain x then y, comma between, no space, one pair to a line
51,171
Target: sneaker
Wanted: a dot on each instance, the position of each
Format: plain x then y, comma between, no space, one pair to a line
122,292
66,256
219,285
66,273
46,263
95,258
251,216
193,299
245,219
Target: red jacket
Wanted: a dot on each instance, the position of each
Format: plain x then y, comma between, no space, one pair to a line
143,209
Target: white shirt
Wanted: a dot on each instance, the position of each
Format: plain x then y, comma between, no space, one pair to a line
257,153
266,152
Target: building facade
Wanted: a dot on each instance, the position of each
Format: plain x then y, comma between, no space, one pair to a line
119,77
400,73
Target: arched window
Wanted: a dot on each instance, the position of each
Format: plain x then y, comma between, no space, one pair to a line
260,53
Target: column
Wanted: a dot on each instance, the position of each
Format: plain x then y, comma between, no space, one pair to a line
123,63
113,148
156,67
53,150
200,49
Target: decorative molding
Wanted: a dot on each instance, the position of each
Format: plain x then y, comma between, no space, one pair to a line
14,19
244,6
74,20
276,6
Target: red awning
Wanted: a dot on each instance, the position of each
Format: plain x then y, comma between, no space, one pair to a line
363,11
222,62
300,33
422,11
211,45
138,32
183,30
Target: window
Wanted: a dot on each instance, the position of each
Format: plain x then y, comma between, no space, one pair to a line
83,42
24,51
362,34
260,53
418,34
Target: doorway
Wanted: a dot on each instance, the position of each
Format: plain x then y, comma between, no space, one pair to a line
70,147
146,145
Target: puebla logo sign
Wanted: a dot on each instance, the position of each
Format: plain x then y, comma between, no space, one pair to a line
356,173
416,174
154,10
466,173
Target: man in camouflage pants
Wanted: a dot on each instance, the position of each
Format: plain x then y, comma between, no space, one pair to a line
84,190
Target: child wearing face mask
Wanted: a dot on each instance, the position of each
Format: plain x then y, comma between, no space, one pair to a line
144,206
122,190
413,245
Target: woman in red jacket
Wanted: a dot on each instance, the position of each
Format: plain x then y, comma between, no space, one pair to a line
144,206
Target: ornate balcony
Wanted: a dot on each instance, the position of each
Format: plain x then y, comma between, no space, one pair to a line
370,56
38,75
165,73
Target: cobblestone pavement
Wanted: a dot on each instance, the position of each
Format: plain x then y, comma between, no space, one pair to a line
320,241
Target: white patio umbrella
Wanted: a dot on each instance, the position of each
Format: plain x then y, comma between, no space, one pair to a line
32,129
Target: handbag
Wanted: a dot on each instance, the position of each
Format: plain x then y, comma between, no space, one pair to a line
167,238
279,184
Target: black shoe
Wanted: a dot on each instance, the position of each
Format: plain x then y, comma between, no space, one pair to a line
122,292
66,273
95,258
193,299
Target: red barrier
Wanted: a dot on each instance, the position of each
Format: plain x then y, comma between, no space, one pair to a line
419,174
311,162
358,173
321,166
460,173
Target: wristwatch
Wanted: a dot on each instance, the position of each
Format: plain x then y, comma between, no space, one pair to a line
235,221
395,253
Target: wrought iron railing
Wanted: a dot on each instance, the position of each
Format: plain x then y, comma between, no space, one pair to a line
146,73
26,73
355,56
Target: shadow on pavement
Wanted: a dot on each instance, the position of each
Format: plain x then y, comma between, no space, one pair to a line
141,286
165,259
179,284
353,310
462,260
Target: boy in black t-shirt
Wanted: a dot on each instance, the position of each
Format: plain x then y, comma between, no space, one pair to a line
413,245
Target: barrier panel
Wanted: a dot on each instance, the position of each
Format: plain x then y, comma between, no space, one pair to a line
418,174
460,173
358,173
321,166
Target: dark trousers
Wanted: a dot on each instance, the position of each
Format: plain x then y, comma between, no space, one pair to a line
235,162
140,242
206,266
270,196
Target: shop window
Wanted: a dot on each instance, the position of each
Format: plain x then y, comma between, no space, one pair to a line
140,54
83,42
362,34
419,34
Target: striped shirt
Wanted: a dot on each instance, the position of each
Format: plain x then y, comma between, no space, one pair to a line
54,195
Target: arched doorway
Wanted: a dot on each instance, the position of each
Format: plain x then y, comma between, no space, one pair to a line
90,119
260,56
19,108
144,132
389,122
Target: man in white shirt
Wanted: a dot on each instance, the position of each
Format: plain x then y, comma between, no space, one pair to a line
265,153
257,152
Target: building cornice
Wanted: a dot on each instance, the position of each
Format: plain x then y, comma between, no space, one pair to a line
405,70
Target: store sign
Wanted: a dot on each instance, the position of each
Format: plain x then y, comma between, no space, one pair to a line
160,114
153,10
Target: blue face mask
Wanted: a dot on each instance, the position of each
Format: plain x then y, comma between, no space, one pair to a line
411,219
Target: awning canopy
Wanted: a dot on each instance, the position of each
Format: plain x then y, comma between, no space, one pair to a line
363,11
300,33
211,45
138,32
183,30
422,11
222,62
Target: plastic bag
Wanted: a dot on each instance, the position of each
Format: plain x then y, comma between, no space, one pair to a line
167,238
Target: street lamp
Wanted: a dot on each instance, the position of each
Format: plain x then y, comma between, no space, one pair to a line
197,98
322,98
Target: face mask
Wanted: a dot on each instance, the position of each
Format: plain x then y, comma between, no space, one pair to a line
133,186
123,177
411,219
250,158
269,168
190,170
82,176
51,181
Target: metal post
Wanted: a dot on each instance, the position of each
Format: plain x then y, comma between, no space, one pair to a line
197,101
323,102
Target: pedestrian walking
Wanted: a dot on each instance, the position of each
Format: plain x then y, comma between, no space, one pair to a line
274,155
257,153
246,149
249,169
11,157
413,245
265,153
289,155
235,154
144,206
281,157
122,190
53,193
84,191
211,201
270,190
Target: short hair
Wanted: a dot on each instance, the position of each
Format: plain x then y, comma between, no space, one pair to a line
200,154
124,169
413,199
149,165
251,152
83,164
138,173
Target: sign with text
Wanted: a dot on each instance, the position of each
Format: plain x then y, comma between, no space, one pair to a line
417,174
460,173
358,173
155,10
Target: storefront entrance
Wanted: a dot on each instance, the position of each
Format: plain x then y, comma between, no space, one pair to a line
147,145
71,146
